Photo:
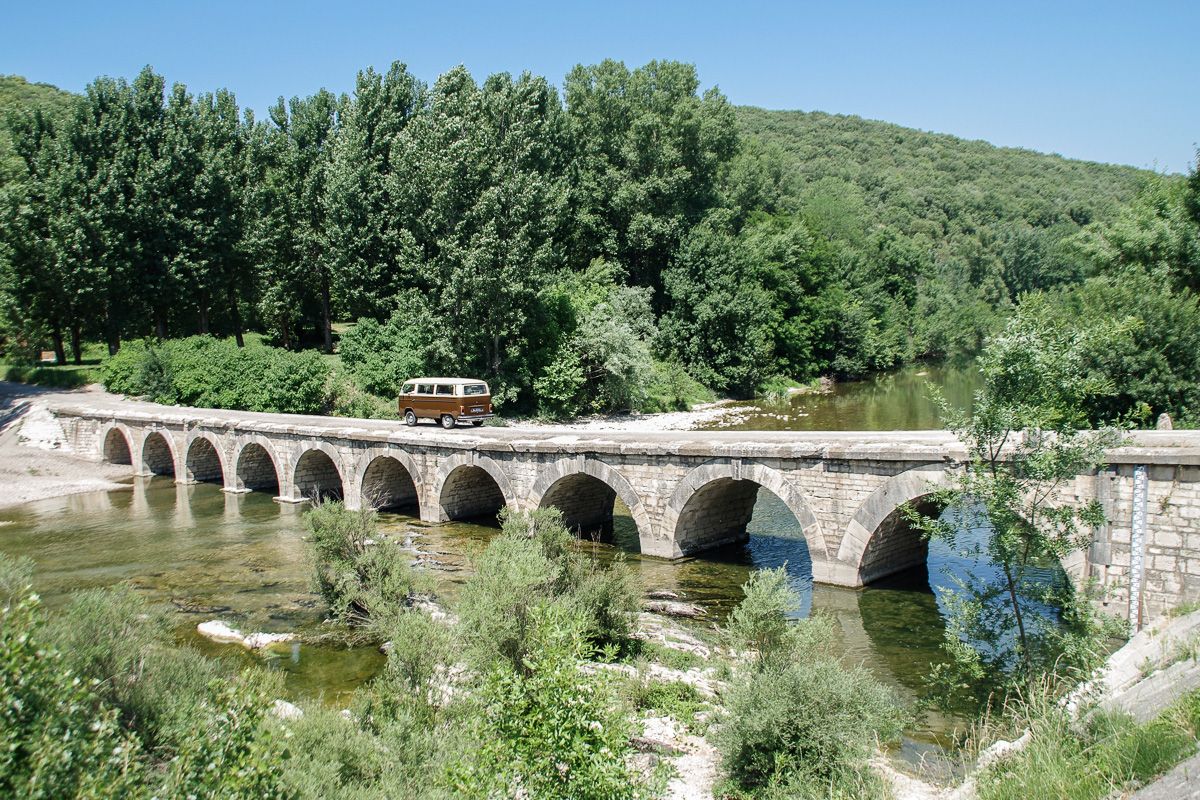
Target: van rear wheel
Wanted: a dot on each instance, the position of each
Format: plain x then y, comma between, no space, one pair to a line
476,422
448,421
410,418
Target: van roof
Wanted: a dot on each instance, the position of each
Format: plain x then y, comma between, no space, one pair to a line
456,381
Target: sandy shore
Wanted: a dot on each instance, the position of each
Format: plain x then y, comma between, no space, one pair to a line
35,463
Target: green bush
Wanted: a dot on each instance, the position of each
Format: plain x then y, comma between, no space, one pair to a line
814,721
361,575
212,373
381,356
58,738
532,562
53,377
549,731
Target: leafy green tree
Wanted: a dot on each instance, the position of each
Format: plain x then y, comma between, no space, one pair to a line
650,155
1024,451
375,256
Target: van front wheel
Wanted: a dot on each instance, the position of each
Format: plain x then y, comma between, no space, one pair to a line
410,418
448,421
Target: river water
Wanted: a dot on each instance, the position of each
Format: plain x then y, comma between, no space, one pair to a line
241,558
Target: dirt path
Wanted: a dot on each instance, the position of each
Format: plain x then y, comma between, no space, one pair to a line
35,464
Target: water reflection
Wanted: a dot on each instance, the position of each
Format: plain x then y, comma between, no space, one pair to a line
894,401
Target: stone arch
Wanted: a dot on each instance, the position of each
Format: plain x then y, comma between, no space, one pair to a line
584,489
878,541
470,485
390,479
115,445
316,475
204,462
158,457
256,467
714,502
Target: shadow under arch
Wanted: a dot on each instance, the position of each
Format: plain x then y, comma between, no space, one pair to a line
116,447
714,504
879,541
157,456
256,468
316,477
203,462
586,491
388,483
470,486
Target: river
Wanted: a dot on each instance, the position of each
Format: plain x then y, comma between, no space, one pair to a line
241,558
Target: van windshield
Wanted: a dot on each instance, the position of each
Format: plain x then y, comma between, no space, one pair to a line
408,389
474,389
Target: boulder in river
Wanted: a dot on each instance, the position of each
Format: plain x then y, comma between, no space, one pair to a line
672,608
221,633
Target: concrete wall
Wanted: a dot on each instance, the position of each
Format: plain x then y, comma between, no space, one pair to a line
684,495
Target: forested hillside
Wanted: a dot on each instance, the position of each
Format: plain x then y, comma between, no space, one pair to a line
597,247
18,95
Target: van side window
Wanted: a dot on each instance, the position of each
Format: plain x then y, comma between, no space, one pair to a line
425,388
407,389
445,389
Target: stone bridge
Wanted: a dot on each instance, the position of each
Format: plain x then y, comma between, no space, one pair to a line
686,491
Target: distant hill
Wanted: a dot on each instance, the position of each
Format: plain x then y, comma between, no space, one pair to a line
936,184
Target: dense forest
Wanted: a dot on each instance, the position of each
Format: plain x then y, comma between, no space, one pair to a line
582,248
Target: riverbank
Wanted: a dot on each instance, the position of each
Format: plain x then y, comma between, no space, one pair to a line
35,462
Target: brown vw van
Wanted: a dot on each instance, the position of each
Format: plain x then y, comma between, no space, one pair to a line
448,400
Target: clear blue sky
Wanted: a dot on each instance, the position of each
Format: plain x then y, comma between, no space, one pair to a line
1105,81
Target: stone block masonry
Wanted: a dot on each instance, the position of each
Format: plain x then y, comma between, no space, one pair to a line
686,491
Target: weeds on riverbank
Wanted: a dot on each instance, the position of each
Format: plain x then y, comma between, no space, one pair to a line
361,575
1089,758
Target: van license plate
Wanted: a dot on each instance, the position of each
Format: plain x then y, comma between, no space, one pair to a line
476,409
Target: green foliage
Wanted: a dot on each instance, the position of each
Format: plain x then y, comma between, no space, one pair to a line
382,356
1106,754
211,373
675,699
57,737
362,575
797,723
534,563
547,730
233,753
1024,451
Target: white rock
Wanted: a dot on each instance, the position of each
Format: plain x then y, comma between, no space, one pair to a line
221,633
285,710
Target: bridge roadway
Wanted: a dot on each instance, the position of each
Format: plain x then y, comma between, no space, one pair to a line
686,491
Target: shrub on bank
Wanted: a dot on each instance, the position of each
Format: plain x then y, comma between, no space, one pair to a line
212,373
534,561
362,576
797,723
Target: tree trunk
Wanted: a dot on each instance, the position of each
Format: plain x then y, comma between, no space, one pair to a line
60,354
326,320
160,324
285,329
76,344
236,315
204,313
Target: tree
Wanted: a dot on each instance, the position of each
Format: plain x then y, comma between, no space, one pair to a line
374,255
1024,450
650,153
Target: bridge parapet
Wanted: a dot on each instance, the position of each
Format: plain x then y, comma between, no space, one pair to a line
686,491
